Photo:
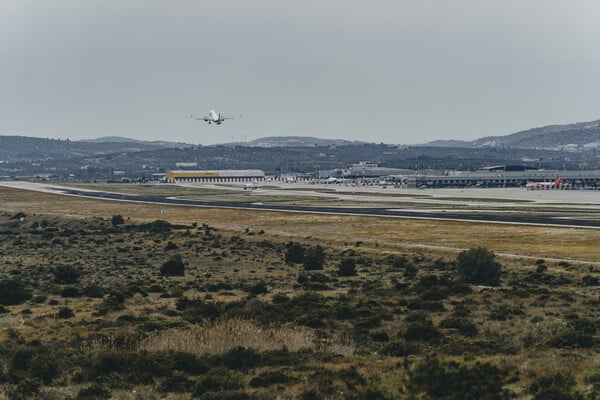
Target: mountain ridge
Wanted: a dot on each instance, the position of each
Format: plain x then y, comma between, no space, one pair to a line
572,137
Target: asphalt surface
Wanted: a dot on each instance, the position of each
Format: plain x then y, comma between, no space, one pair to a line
366,211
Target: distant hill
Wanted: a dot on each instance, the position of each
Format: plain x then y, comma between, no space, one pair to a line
120,139
295,141
578,136
22,148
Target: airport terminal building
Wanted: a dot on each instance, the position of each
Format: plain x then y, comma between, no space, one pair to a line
571,179
214,176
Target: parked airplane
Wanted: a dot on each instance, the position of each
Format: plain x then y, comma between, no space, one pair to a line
544,185
213,118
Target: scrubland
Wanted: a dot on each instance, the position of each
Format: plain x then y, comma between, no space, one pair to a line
117,300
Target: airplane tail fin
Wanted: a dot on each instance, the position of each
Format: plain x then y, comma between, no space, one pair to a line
558,181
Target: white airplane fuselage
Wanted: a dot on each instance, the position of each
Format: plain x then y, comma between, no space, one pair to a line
544,185
215,117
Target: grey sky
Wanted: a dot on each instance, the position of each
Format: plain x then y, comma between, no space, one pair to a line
382,71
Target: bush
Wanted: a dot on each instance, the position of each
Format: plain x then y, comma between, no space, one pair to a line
453,381
314,258
70,291
66,274
175,384
65,313
589,280
170,246
544,330
294,254
173,267
94,392
462,325
26,389
557,386
573,340
218,381
423,331
188,363
241,358
347,267
259,288
478,266
270,378
13,292
117,220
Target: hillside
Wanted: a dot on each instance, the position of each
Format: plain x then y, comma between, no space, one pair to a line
22,148
578,136
295,141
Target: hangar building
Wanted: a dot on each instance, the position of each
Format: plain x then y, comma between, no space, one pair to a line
228,175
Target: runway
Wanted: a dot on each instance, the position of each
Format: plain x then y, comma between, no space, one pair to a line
482,217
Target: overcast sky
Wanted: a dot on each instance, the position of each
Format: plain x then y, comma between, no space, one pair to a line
392,71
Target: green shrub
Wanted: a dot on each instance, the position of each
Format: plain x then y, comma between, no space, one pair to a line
572,339
544,330
347,267
117,220
294,253
453,381
400,348
173,267
589,280
71,291
94,392
556,386
187,363
113,302
131,367
422,331
314,258
13,292
93,291
66,274
479,266
464,326
176,384
170,246
26,389
270,378
218,381
241,358
258,288
65,313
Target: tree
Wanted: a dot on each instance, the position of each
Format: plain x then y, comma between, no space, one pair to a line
294,254
347,267
173,267
314,258
478,265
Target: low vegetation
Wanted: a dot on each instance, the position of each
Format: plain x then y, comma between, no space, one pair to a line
109,307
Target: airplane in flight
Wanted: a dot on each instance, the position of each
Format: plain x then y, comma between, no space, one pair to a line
544,185
213,118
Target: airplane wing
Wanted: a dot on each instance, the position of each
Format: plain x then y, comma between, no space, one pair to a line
205,119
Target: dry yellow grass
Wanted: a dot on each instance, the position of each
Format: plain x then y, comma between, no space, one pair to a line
391,234
222,336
